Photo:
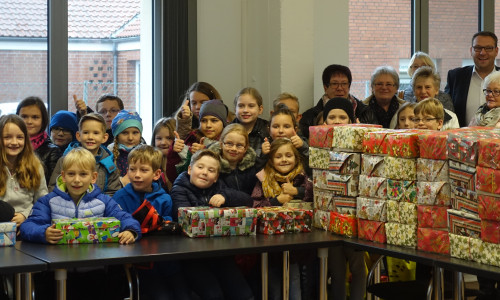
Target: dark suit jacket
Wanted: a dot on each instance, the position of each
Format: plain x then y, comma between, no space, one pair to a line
457,86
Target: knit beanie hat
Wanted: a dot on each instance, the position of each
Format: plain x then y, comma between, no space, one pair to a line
125,119
65,119
339,103
214,108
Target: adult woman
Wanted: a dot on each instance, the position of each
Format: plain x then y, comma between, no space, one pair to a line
488,114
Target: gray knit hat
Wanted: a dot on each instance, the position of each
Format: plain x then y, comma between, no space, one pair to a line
214,108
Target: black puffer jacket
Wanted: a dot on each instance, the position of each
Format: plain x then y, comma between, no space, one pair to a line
49,154
259,132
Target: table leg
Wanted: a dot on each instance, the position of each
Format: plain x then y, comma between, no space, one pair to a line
323,269
458,286
438,283
18,281
286,274
28,287
61,275
263,270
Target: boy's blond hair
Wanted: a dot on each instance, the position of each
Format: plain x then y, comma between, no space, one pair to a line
94,117
284,96
205,152
146,154
81,157
432,107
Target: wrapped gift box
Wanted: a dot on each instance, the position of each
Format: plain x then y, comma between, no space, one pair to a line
432,170
401,212
275,220
318,158
341,224
433,240
321,136
344,162
345,205
302,220
489,153
488,180
88,230
431,216
204,221
321,219
299,204
350,137
372,230
373,186
372,209
402,190
465,247
462,175
489,254
400,168
343,185
464,199
433,193
490,231
374,142
463,145
323,199
403,144
462,223
401,234
433,145
489,207
7,233
372,165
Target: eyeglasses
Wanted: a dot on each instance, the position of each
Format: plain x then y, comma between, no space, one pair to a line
387,85
339,84
425,120
58,130
495,93
478,49
111,111
231,145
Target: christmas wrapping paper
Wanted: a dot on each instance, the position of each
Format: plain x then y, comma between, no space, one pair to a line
345,205
343,185
204,221
321,219
433,193
400,168
341,224
462,175
302,220
401,212
350,137
401,234
433,145
7,234
490,231
465,247
464,199
373,186
275,220
433,240
323,199
463,145
299,204
374,142
88,230
321,136
432,170
372,165
489,207
318,158
402,190
403,144
431,216
489,254
372,231
344,162
488,180
372,209
489,153
465,224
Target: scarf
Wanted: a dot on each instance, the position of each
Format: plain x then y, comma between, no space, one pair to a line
39,139
384,117
271,186
127,149
487,117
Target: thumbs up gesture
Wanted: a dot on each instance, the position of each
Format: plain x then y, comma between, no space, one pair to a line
80,105
198,146
296,140
266,147
185,110
178,144
289,189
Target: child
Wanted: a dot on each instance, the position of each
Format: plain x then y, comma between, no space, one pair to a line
338,111
291,101
76,196
91,136
404,117
34,113
127,130
237,159
429,114
163,139
62,128
199,186
22,179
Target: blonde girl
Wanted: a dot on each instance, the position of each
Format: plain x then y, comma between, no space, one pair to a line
163,139
404,117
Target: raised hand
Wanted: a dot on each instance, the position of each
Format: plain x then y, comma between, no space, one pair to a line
288,188
266,147
80,105
185,110
178,144
296,140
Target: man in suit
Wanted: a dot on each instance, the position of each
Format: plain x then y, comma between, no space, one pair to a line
465,84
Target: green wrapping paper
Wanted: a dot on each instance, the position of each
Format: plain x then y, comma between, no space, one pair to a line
432,170
401,234
464,247
402,190
318,158
400,168
372,165
88,230
489,254
401,212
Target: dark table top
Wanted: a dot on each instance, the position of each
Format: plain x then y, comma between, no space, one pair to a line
13,261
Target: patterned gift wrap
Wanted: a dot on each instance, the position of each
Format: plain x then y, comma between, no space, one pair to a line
401,212
344,162
465,224
299,204
275,220
345,205
433,145
343,185
372,231
488,180
372,165
463,145
464,199
373,186
372,209
403,144
462,175
489,207
374,142
431,216
318,158
321,219
490,231
401,234
402,190
400,168
489,254
323,199
321,136
7,234
432,170
88,230
433,193
350,137
302,220
489,153
465,247
341,224
433,240
204,221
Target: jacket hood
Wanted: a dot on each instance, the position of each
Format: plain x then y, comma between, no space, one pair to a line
60,190
157,191
105,152
247,162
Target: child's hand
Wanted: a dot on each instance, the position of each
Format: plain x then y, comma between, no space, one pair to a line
80,105
53,235
18,218
289,189
296,140
217,200
185,110
266,147
284,198
126,237
198,146
179,143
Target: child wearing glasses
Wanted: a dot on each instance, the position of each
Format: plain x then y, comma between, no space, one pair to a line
429,114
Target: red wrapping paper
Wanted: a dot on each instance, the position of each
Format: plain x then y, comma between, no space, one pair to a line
403,144
490,231
372,231
462,175
464,224
464,199
431,216
321,136
433,145
489,153
375,142
489,207
433,240
341,224
463,145
488,180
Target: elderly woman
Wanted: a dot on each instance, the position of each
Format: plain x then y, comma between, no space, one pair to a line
488,114
383,103
422,59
